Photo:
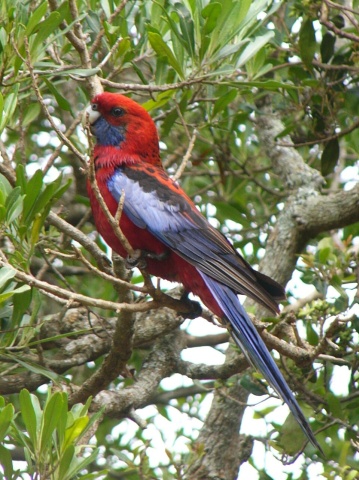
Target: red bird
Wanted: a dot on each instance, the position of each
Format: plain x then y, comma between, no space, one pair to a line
179,244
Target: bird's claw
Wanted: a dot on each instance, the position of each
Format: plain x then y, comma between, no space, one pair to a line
136,259
195,309
139,258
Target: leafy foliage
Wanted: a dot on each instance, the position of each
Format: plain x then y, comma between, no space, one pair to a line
50,438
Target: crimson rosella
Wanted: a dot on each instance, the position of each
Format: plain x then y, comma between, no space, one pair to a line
178,243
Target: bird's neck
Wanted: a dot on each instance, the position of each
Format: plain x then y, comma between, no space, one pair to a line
108,157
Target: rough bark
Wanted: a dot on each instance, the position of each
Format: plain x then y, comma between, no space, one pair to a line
220,448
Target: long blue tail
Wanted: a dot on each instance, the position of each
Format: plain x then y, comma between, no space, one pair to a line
248,339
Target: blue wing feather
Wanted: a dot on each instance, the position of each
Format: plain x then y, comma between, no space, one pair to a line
144,208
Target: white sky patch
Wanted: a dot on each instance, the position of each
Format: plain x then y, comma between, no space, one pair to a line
350,176
340,380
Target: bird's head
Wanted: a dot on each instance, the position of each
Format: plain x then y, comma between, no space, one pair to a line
118,121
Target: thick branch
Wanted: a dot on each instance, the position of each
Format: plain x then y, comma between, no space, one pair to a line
160,364
222,457
322,213
94,339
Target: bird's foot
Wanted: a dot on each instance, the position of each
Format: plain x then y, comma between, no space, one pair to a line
195,309
139,258
135,260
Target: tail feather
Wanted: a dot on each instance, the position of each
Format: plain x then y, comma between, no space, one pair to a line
248,339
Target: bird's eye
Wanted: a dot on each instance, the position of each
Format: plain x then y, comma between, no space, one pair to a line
94,107
117,112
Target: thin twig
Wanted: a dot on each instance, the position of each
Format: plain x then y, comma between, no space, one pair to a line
186,158
321,140
97,41
57,150
323,19
61,293
105,276
78,40
150,88
33,76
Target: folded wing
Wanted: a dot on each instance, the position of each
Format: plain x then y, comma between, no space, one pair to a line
153,201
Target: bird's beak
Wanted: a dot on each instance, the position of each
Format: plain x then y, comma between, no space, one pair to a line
90,115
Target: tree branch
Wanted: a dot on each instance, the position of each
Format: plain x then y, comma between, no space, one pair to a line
160,364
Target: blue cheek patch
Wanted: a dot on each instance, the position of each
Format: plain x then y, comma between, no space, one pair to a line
107,134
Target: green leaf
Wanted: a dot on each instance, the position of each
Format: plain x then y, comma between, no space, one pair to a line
323,255
1,105
224,101
291,437
210,13
139,72
161,99
228,211
264,412
50,418
66,461
29,405
62,422
6,463
312,335
255,388
174,29
335,407
4,296
266,85
330,157
13,205
62,102
76,467
84,408
122,456
187,28
37,369
46,196
6,274
6,417
327,47
307,42
21,303
253,47
163,50
36,228
81,72
5,186
228,50
76,429
32,111
229,23
9,106
32,189
352,475
21,177
34,21
46,29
